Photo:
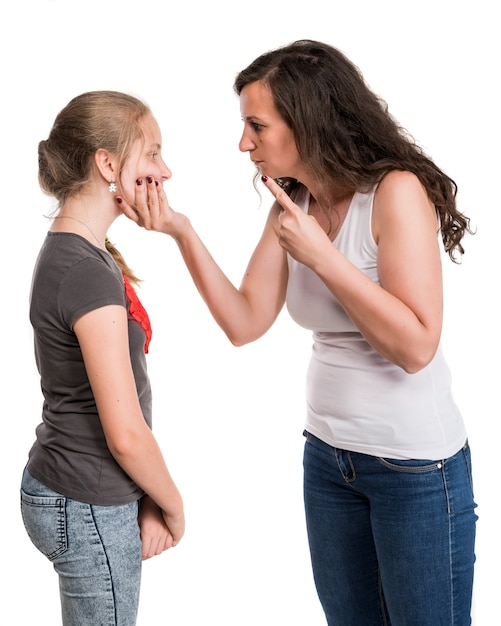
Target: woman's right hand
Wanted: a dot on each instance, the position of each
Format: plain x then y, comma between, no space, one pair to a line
151,209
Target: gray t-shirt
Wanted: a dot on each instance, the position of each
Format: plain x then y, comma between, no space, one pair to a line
73,277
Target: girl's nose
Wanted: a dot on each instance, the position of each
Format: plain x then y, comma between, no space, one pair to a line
166,173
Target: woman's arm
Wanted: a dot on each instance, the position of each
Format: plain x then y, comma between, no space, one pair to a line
104,341
402,318
244,314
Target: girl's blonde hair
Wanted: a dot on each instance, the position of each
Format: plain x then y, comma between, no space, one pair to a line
94,120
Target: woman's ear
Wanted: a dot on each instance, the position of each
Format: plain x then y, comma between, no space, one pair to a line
106,164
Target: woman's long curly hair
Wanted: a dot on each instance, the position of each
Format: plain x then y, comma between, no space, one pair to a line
344,132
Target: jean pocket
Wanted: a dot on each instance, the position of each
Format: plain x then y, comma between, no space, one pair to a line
44,518
411,466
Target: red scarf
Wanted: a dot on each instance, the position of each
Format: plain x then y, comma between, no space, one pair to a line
138,312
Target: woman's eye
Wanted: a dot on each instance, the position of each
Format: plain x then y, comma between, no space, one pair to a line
257,127
154,155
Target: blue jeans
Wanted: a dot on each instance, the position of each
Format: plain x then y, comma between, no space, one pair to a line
391,541
96,550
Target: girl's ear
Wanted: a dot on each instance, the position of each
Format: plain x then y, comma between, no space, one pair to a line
106,164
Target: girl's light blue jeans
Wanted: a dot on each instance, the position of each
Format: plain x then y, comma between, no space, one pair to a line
96,551
391,541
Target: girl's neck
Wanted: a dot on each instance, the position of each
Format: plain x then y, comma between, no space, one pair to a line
94,239
79,215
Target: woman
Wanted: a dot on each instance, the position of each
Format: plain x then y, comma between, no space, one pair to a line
96,496
351,248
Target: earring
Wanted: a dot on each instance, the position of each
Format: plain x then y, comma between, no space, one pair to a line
112,187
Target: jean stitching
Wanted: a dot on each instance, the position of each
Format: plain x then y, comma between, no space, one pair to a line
412,470
348,478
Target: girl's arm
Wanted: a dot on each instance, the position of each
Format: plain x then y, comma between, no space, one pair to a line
104,341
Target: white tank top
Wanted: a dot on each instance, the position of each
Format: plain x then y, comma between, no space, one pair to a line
356,399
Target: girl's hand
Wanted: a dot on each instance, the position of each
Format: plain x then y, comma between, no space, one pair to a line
155,535
175,525
151,208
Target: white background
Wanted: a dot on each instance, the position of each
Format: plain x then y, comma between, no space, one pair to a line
230,419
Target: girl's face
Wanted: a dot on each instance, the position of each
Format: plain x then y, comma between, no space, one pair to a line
145,159
266,137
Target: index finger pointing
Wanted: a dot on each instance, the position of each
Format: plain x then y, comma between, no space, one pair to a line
281,196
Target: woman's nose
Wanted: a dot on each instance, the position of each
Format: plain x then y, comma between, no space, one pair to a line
246,144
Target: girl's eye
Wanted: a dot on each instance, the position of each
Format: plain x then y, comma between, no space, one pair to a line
257,127
154,155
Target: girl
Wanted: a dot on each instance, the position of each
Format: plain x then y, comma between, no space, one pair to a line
96,495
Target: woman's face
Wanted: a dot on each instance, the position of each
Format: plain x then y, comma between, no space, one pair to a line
145,159
266,137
